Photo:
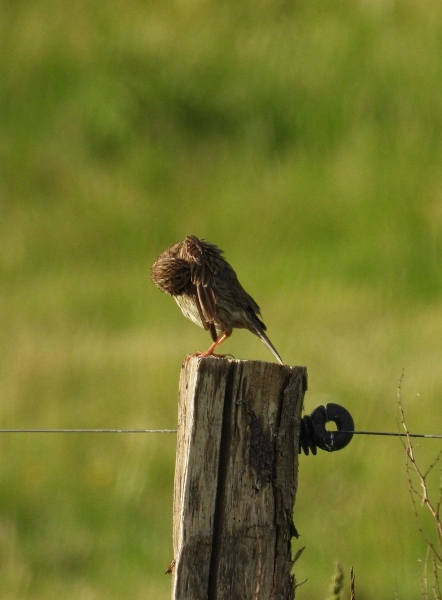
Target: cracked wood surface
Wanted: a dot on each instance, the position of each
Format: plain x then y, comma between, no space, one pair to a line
236,479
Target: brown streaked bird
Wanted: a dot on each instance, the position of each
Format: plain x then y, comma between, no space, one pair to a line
208,292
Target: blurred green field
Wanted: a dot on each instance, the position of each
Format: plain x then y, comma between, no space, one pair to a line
305,139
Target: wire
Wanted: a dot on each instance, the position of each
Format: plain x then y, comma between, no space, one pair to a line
88,430
395,434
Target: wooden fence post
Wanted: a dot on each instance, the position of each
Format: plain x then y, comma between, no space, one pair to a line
236,479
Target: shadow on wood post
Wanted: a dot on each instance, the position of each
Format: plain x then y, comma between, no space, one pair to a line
236,479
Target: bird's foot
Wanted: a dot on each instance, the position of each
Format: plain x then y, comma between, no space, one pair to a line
206,354
211,351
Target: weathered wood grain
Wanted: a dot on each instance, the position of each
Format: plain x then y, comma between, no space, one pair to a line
236,479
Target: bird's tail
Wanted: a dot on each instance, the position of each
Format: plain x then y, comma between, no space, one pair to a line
261,333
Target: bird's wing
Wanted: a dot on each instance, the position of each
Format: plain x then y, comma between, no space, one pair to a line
253,307
259,327
201,276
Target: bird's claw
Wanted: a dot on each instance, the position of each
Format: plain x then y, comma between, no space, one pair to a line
206,354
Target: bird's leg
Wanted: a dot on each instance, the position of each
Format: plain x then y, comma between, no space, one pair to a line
219,340
210,352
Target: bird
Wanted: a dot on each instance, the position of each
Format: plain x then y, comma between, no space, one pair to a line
206,288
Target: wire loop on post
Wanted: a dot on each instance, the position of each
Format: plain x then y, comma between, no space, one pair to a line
313,433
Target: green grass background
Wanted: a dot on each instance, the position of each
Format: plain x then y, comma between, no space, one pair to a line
305,139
